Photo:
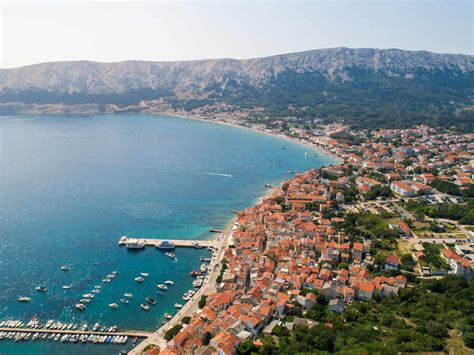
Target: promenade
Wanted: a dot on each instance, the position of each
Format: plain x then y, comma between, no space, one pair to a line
191,307
179,243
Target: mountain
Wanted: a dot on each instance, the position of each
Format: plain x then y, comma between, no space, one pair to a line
369,85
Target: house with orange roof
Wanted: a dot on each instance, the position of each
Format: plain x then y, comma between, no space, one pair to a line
225,343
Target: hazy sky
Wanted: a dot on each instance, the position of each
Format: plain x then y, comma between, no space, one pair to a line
113,31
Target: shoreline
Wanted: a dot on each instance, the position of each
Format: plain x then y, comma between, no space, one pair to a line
309,145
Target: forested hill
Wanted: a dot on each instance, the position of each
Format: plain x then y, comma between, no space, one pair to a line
365,87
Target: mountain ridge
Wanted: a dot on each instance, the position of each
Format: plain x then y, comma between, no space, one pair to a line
366,85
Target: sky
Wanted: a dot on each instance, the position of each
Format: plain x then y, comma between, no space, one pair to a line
108,31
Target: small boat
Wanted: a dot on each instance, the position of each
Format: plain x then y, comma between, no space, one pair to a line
106,280
128,295
85,300
88,295
186,298
97,287
24,299
150,300
113,305
41,289
95,327
168,316
85,327
205,260
169,282
65,268
139,279
161,286
96,290
170,255
144,274
177,305
124,300
145,307
80,306
110,276
66,287
195,273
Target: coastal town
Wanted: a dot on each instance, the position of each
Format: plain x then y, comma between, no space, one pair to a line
397,209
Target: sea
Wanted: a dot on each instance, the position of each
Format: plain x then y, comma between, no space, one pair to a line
72,185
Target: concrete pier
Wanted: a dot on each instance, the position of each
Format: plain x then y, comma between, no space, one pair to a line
130,334
178,243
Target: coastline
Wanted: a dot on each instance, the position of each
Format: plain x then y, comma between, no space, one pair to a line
252,129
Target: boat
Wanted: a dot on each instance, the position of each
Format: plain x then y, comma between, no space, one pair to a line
150,300
65,268
41,289
165,245
169,282
145,307
139,279
128,295
98,287
24,299
195,273
205,260
66,287
124,300
80,306
88,295
85,300
170,255
177,305
168,316
161,286
111,276
113,305
135,245
106,280
144,274
95,290
95,327
186,298
85,327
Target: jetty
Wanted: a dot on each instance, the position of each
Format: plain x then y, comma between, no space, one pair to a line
178,243
130,334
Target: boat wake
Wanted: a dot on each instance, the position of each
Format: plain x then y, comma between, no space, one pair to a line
217,174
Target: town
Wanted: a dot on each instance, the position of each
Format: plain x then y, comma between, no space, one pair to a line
396,211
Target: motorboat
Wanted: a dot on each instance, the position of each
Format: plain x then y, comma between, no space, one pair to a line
139,279
67,287
24,299
145,307
128,295
41,289
124,300
150,300
65,268
177,305
161,286
169,282
113,305
168,316
80,306
145,274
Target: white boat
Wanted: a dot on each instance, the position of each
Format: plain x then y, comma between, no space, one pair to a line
110,276
85,327
88,295
168,316
24,299
144,274
177,305
66,287
106,280
169,282
65,268
170,255
80,306
135,245
113,305
139,279
96,290
85,300
163,287
128,295
96,327
41,289
124,300
145,307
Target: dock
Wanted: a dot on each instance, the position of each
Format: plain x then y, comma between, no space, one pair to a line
178,243
130,334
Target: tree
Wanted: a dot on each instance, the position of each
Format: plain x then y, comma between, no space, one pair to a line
202,301
247,347
206,338
172,332
186,320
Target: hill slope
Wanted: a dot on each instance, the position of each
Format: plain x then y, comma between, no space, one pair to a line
357,85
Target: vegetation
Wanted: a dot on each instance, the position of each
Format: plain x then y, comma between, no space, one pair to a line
202,302
458,212
416,320
170,333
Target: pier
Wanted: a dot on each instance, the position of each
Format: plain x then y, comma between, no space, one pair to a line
178,243
130,334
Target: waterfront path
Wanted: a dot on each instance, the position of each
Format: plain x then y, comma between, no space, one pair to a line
191,307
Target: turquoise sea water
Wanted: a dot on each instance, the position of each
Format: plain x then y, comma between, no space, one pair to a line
71,186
